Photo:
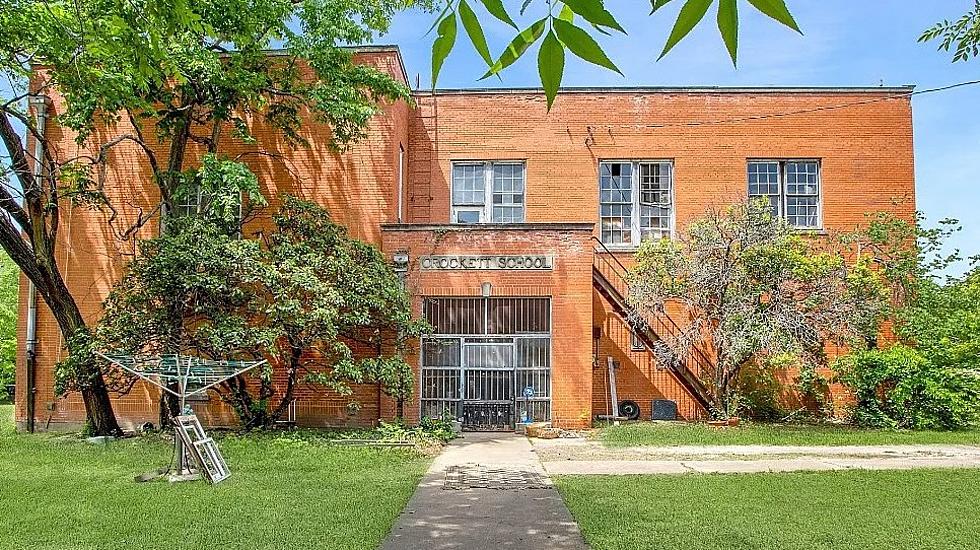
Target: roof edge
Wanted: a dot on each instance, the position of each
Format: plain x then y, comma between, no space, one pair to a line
365,48
905,89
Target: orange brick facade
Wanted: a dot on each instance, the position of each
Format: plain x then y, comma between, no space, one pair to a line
861,137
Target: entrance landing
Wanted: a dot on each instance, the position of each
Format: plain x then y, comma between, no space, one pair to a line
486,491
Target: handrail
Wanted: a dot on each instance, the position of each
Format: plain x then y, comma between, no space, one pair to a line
663,318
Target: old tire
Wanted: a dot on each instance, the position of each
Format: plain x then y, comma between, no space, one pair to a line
629,409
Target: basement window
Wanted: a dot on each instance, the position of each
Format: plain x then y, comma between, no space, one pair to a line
488,192
792,188
636,201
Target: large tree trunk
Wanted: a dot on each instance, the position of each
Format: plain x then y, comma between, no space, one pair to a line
296,353
98,407
28,234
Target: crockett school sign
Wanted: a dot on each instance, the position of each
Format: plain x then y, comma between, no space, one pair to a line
464,263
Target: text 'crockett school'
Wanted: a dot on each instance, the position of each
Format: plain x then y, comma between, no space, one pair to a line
511,228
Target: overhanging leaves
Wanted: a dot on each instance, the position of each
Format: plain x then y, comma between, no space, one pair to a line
777,10
728,26
443,44
551,66
594,12
584,46
691,14
475,31
497,9
517,47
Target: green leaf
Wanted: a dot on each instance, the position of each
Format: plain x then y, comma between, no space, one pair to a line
443,44
497,9
657,4
691,14
566,14
475,31
594,12
728,25
517,47
437,20
551,66
777,10
584,46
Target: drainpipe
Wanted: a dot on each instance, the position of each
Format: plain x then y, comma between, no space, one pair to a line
40,104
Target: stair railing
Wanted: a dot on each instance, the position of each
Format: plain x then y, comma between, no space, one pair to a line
617,274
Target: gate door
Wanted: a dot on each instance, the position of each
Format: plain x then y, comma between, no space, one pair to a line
489,362
488,390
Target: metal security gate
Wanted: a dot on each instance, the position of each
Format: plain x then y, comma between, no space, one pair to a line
488,362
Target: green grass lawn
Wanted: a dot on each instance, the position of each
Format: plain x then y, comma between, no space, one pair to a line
63,493
886,510
661,434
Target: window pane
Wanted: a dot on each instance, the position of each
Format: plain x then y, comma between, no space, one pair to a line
518,315
616,202
533,353
616,182
616,223
455,315
802,211
539,380
440,352
764,183
467,216
508,193
488,356
655,200
469,186
802,178
763,178
655,184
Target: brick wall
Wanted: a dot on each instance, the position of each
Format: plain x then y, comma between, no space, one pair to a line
865,150
568,284
358,186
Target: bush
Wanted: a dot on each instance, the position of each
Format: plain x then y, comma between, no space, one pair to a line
429,429
899,387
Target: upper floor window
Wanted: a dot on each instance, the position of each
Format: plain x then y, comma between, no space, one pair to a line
792,188
192,202
226,210
636,201
488,192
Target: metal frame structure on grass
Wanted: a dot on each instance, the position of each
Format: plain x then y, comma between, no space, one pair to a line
192,376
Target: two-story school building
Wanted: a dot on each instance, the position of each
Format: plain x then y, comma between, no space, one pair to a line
511,227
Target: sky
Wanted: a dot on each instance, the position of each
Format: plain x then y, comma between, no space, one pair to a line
845,43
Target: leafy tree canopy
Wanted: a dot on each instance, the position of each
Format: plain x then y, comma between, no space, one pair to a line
751,288
324,308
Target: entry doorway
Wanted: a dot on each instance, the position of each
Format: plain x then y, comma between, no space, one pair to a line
488,361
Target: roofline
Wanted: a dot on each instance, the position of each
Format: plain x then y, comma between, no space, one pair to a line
906,89
366,48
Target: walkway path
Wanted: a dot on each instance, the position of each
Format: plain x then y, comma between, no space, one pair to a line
584,457
486,491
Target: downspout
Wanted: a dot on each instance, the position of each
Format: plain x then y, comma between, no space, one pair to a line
40,104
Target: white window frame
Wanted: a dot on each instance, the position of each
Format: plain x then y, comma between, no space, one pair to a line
636,231
184,209
781,172
486,209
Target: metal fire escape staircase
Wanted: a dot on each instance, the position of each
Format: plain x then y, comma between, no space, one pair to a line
609,278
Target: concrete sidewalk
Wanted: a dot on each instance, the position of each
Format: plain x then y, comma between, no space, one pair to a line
486,491
585,457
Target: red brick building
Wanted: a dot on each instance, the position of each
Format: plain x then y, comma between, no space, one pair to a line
508,221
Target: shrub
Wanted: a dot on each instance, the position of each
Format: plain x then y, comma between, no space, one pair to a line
899,387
